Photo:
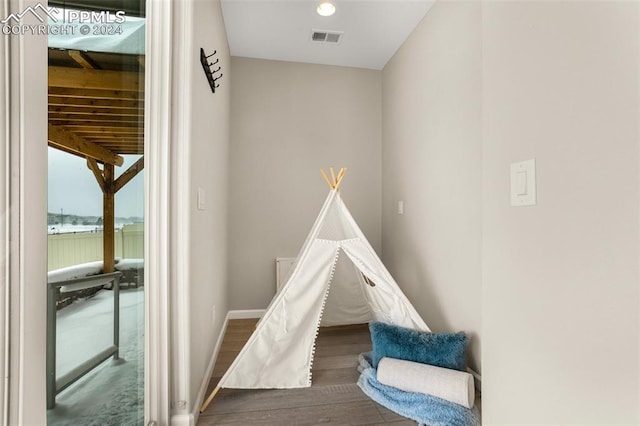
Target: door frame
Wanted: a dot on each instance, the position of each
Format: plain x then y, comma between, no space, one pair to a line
24,249
23,207
158,179
4,222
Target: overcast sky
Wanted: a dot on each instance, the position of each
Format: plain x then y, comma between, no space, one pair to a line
73,188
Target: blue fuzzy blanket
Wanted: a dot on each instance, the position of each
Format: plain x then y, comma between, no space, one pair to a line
425,409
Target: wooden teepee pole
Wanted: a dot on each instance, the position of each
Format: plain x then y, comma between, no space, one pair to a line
326,178
209,399
334,182
340,176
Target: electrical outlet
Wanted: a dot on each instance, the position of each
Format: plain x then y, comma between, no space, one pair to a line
180,405
213,314
202,203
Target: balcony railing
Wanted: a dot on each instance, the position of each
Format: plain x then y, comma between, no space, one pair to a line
55,385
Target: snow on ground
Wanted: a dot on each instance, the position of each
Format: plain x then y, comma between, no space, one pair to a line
79,229
72,229
112,393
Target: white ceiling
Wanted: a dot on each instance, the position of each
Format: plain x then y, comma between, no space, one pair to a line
281,30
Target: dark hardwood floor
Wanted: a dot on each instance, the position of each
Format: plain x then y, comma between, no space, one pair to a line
334,398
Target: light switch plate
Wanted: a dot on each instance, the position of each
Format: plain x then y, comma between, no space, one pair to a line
523,183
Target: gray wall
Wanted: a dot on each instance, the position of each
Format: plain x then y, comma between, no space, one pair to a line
208,139
288,120
560,280
432,161
551,290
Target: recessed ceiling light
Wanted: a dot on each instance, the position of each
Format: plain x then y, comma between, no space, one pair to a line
326,8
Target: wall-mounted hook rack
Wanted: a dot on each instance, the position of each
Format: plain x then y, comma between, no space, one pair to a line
208,72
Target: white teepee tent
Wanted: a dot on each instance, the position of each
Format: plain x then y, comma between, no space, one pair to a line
279,353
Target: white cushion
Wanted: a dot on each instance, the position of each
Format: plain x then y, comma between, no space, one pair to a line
452,385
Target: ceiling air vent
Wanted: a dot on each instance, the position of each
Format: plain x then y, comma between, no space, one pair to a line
330,37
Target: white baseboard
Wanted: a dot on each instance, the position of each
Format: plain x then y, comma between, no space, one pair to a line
182,420
246,313
238,314
207,376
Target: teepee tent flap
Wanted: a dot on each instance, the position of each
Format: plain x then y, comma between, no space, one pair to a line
279,352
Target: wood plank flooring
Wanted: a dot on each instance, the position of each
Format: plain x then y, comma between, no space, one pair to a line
334,398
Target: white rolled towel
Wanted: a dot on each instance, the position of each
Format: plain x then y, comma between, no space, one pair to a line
452,385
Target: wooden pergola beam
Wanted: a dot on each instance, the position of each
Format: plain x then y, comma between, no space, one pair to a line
108,219
106,130
116,95
93,166
71,142
66,101
106,140
85,116
78,125
77,78
92,110
128,143
128,149
83,60
120,145
131,172
112,122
